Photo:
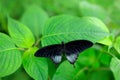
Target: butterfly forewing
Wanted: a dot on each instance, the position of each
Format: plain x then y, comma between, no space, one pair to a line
52,51
73,49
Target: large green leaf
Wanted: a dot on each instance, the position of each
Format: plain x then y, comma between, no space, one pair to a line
10,56
117,44
21,35
66,71
115,67
93,10
37,68
67,28
35,18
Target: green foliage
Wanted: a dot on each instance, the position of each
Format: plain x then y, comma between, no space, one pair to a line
63,6
10,56
35,19
105,59
20,34
68,28
37,68
87,59
115,67
117,44
66,71
115,10
101,73
46,22
88,9
103,3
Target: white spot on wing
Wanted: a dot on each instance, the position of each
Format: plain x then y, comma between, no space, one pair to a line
56,59
72,57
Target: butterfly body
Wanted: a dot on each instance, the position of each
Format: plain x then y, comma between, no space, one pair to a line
70,49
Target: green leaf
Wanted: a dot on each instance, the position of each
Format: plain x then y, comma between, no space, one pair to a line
20,34
10,56
66,71
51,68
93,10
35,18
117,44
105,59
87,57
100,75
37,68
115,67
107,41
67,28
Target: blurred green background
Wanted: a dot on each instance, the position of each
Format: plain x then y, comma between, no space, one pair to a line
106,10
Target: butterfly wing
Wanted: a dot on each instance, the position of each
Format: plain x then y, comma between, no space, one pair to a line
73,49
52,51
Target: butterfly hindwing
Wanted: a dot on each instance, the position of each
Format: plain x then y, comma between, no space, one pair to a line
56,59
52,51
73,49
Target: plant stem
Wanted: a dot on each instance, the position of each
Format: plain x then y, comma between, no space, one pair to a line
37,42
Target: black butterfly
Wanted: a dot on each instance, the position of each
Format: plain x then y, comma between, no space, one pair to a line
70,49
